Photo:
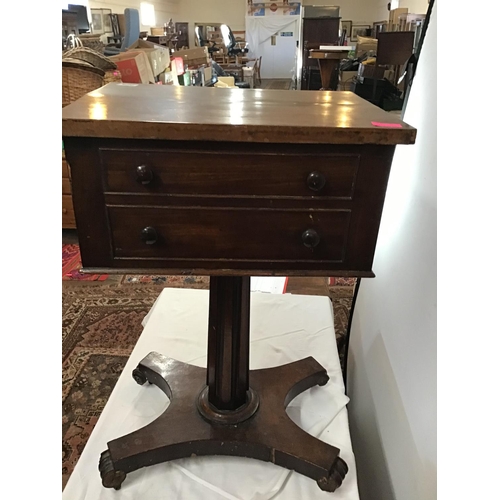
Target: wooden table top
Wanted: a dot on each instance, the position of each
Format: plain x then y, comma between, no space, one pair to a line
328,54
136,111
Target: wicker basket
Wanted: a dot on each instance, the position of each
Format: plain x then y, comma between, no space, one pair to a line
92,42
91,56
112,75
78,80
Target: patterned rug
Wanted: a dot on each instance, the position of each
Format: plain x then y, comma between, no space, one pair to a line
72,263
101,325
165,280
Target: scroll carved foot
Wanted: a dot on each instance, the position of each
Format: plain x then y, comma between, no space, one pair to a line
337,474
111,478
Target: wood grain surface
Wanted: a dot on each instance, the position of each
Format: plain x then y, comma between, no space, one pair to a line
242,115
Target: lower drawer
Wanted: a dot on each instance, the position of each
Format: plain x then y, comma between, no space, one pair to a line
228,234
68,213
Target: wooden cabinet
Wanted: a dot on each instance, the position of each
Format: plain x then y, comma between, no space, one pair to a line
316,32
217,198
68,213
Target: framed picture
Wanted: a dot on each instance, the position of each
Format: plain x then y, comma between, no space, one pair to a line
358,30
347,26
97,21
106,20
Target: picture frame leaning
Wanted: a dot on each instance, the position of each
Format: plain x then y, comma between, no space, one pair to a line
358,30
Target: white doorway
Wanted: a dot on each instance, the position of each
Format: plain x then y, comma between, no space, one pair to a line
279,52
275,39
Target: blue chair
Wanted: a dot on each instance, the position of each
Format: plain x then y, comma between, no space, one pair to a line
132,33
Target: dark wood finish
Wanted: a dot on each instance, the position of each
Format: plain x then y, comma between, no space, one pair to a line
219,207
231,184
182,30
316,32
328,65
159,40
228,235
212,172
228,342
182,432
394,47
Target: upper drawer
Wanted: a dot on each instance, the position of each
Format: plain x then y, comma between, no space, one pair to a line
229,174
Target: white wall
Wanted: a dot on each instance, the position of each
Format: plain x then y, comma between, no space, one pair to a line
357,11
415,6
233,12
164,9
369,11
391,376
230,12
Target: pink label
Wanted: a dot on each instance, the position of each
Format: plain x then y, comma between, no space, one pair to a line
387,125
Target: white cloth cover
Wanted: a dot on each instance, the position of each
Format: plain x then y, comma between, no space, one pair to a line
260,29
284,328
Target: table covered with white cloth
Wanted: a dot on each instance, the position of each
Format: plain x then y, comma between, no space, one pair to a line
283,329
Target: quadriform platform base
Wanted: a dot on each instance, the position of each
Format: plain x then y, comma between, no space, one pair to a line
281,333
226,409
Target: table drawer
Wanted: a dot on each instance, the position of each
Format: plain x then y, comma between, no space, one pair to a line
230,234
229,174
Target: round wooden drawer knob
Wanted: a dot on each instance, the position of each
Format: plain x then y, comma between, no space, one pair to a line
144,174
149,235
316,181
310,238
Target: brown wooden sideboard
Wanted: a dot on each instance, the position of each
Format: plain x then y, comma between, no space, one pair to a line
235,183
68,213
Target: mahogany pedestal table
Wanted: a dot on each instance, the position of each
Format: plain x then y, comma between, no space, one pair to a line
190,180
329,61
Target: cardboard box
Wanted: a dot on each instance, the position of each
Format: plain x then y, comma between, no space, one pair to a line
194,57
395,13
134,67
208,73
366,45
346,76
168,78
159,56
157,31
